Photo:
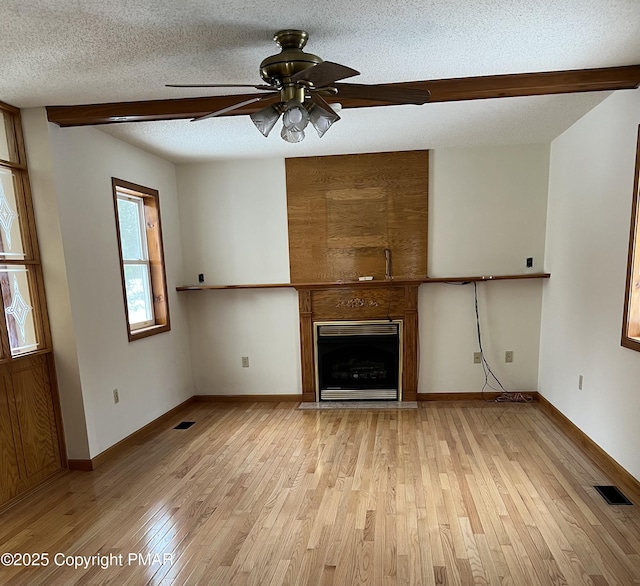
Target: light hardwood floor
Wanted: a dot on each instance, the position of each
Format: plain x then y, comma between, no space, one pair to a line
449,493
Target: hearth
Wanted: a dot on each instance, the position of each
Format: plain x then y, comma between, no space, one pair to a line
358,360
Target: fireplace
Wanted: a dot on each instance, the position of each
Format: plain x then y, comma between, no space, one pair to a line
358,360
344,304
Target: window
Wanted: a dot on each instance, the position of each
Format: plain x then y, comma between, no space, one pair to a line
141,259
631,320
24,329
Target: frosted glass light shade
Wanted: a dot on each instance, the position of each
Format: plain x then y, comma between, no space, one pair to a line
265,119
292,135
295,116
322,119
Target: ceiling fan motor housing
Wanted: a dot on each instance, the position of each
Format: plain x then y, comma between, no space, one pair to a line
277,69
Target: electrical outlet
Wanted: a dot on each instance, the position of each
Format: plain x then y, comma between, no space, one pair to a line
116,397
580,379
529,262
477,357
508,356
245,362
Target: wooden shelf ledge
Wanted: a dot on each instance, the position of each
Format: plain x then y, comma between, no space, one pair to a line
374,283
221,287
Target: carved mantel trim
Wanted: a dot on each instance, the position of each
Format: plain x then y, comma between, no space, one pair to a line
358,302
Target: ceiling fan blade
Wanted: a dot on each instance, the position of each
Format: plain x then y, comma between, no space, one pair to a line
383,93
324,73
238,105
257,87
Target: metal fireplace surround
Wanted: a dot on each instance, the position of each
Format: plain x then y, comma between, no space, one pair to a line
358,360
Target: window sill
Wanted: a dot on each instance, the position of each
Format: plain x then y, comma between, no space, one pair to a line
148,331
632,343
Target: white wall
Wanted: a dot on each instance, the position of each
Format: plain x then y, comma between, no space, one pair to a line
153,374
234,221
261,324
487,214
590,194
487,210
234,230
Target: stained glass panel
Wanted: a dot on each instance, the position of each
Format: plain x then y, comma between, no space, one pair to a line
18,309
10,236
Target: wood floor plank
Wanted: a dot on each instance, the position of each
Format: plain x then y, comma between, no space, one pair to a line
267,494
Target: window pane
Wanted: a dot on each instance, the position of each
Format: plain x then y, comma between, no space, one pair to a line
138,287
130,233
10,237
143,279
19,315
4,146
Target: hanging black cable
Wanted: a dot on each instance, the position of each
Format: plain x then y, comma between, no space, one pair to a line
504,396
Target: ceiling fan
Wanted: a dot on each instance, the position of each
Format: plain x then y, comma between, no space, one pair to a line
296,85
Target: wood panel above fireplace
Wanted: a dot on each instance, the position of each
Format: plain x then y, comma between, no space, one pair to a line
344,211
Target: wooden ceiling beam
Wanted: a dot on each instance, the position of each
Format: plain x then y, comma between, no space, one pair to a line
442,90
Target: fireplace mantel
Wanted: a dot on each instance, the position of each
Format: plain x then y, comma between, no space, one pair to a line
364,300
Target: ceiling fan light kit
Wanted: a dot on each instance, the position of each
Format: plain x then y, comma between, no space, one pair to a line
299,80
296,117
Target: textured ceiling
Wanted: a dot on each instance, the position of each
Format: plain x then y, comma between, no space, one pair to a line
92,51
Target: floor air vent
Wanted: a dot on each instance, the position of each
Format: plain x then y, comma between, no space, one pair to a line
184,425
612,495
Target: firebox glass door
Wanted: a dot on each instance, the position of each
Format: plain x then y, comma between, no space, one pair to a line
349,366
